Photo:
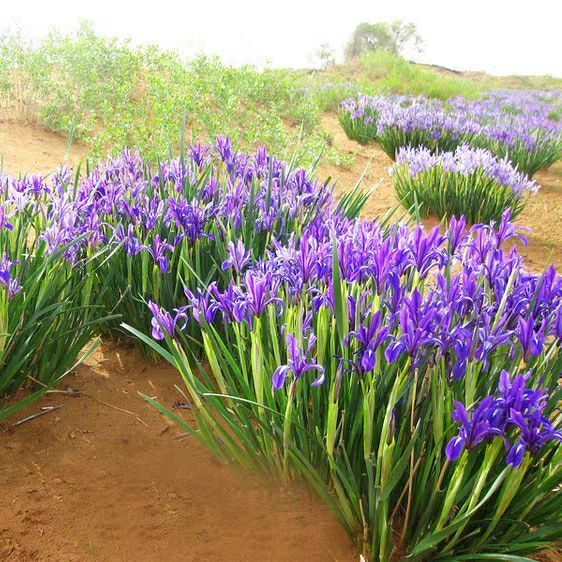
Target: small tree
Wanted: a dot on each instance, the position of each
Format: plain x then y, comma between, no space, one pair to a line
327,55
405,37
395,37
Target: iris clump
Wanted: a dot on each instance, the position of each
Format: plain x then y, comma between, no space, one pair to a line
519,126
469,181
358,117
411,377
128,233
48,310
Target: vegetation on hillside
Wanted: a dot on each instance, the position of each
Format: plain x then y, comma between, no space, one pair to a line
110,94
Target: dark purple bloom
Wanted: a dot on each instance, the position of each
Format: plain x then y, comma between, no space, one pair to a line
203,306
162,322
130,242
531,339
370,339
4,219
5,267
536,431
199,154
456,233
158,251
10,283
426,251
259,291
419,322
473,430
224,148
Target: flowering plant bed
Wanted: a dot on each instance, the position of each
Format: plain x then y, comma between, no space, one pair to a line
469,182
522,127
410,377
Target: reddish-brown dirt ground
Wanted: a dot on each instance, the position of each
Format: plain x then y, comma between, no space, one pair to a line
108,478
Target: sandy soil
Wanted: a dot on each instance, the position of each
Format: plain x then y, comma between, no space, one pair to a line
108,478
25,148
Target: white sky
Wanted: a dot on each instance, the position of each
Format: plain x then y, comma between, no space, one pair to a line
498,36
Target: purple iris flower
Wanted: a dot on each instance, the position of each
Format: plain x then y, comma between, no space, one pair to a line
456,233
536,431
158,251
162,322
298,362
507,230
5,267
224,148
370,339
531,340
4,219
514,394
227,302
203,306
426,251
463,350
419,323
259,291
14,287
11,284
473,430
238,257
131,243
199,154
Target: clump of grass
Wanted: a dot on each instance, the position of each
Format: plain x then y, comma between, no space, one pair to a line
339,158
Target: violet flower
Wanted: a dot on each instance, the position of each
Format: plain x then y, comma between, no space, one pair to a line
370,338
238,257
536,431
162,322
473,430
298,363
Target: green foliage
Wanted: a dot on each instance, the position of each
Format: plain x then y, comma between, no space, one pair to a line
46,325
371,447
112,95
359,129
393,138
340,158
329,89
480,199
546,150
394,74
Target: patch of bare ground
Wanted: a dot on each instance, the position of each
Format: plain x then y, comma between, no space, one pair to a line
108,478
27,148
